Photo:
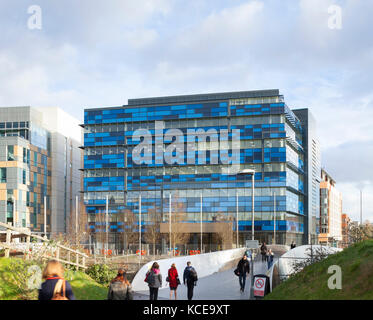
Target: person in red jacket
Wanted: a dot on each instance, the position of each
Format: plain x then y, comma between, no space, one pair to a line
173,279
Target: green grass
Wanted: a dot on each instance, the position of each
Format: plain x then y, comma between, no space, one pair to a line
311,283
7,290
84,287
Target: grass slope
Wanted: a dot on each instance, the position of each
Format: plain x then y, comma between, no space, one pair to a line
311,283
84,287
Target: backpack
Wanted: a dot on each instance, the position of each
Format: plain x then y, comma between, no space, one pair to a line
150,277
193,274
59,290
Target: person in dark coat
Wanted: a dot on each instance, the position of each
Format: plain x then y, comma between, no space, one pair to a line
52,273
243,268
270,256
190,276
293,245
173,279
263,251
154,279
120,288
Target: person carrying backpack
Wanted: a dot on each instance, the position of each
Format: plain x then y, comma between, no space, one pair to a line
243,267
55,286
120,288
154,280
190,276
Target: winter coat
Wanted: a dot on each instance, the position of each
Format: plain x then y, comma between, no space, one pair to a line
155,277
47,289
263,249
119,290
243,266
172,277
187,274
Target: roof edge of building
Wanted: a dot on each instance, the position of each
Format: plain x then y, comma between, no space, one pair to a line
204,97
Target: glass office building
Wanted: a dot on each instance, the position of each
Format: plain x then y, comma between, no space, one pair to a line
40,161
196,149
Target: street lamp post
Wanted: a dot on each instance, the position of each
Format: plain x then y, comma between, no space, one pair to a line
236,219
170,223
45,217
252,172
76,220
106,226
140,228
274,217
201,226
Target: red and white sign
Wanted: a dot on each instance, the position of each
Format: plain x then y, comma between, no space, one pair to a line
259,286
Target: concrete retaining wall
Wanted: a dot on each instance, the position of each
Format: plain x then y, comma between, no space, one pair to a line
205,264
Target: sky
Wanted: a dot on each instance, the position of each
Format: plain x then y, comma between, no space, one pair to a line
93,53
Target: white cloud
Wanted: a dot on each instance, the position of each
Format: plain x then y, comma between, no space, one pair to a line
141,38
351,199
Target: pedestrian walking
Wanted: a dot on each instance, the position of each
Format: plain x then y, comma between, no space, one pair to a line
120,288
248,254
190,276
293,245
173,280
243,268
154,280
270,256
263,251
55,286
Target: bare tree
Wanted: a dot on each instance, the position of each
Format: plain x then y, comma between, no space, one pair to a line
152,234
225,233
178,216
77,232
129,221
314,254
357,233
100,228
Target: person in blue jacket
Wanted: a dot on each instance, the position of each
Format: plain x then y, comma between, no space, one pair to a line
52,273
270,256
190,276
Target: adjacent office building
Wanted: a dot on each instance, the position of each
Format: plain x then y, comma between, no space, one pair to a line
330,211
195,150
39,167
312,169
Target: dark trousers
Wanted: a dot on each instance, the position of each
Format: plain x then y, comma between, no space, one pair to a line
269,262
153,293
190,285
242,279
264,257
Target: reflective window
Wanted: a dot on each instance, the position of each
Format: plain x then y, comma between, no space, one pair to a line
2,175
11,153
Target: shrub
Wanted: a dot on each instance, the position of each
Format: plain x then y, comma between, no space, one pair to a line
20,278
101,273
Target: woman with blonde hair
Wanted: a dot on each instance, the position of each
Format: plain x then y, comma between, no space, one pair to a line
55,287
120,288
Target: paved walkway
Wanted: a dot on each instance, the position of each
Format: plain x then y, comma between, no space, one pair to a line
219,286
